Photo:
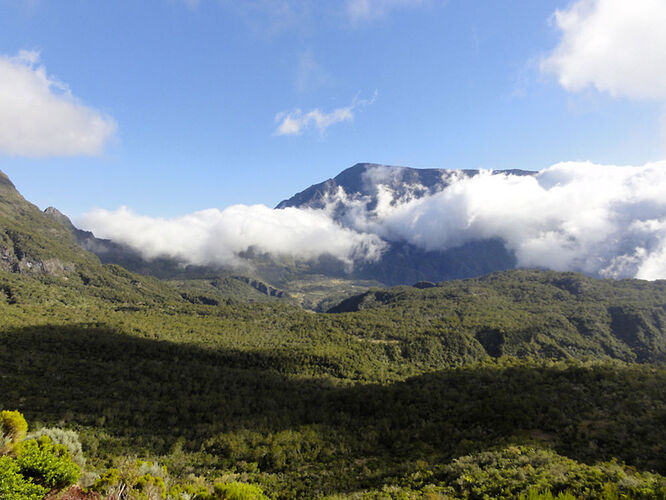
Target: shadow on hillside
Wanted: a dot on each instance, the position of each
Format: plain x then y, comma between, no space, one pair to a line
153,392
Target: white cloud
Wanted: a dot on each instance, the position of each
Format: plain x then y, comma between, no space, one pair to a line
296,121
604,220
366,10
616,46
218,236
40,117
599,219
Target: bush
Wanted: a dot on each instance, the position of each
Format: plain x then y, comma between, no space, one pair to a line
13,428
47,464
14,485
238,491
63,437
138,479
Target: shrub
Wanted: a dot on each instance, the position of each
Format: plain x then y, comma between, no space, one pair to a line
13,428
63,437
14,485
150,486
47,464
138,479
238,491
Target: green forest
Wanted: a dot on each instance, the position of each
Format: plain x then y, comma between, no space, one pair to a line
520,384
527,383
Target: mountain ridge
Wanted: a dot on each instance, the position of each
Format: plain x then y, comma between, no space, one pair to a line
353,181
400,263
403,263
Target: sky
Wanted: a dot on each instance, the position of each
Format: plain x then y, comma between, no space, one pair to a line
176,125
182,105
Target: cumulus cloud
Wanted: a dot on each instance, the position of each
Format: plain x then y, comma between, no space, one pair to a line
40,117
604,220
616,46
296,121
219,236
366,10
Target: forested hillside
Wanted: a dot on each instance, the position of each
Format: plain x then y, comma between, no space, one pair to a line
410,391
528,313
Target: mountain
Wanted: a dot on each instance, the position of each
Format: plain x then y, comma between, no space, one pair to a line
315,280
38,248
363,179
33,243
401,262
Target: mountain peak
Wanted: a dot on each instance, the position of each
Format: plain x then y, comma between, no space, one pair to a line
8,192
5,182
58,216
12,204
362,179
353,180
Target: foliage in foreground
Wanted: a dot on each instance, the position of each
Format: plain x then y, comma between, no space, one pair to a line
37,467
529,472
305,405
32,467
300,438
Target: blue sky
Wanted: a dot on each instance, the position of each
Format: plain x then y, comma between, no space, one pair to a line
187,99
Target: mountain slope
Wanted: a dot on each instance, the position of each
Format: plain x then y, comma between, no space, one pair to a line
39,249
110,252
33,243
527,313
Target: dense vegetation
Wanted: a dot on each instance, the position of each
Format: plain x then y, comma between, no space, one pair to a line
521,384
390,399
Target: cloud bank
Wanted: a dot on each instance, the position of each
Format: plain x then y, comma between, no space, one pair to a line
40,117
616,46
218,236
604,220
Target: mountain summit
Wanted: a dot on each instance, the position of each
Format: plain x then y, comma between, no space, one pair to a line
363,180
402,262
